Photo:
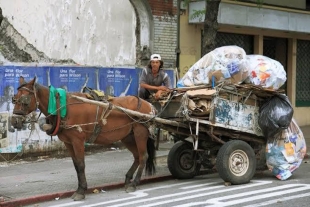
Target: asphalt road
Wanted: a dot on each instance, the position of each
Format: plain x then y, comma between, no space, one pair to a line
205,190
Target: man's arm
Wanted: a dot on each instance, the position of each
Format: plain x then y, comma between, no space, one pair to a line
150,87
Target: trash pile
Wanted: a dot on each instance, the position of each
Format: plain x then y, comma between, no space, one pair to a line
285,152
256,81
230,63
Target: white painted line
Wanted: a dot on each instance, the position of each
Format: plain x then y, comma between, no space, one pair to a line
198,186
139,194
74,203
173,195
245,197
286,198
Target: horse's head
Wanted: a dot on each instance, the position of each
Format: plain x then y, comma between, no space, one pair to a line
25,101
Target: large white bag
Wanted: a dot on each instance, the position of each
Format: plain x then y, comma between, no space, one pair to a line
223,63
265,72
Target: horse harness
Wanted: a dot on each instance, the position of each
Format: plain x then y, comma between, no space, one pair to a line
104,115
55,120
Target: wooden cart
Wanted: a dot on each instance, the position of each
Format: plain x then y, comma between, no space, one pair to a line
215,128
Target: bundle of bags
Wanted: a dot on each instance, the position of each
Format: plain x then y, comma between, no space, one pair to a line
286,146
230,63
285,152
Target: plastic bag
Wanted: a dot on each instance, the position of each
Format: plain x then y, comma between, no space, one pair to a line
285,152
275,115
223,63
265,72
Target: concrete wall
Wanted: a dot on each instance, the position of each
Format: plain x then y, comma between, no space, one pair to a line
113,34
97,32
89,32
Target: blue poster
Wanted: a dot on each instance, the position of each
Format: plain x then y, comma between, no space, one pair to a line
72,79
119,81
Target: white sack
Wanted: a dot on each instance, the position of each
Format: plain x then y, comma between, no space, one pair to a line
265,72
223,63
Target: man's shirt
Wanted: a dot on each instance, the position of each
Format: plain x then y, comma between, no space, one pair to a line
161,78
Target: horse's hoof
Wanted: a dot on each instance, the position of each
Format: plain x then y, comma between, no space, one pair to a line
130,189
77,197
73,195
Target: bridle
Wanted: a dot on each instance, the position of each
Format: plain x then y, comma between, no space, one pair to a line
24,100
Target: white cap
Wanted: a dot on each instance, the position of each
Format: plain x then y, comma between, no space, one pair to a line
155,57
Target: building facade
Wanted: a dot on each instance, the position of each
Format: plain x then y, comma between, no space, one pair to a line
277,30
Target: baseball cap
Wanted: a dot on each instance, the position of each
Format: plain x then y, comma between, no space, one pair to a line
155,57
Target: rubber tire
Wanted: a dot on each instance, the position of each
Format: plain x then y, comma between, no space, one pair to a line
180,152
224,165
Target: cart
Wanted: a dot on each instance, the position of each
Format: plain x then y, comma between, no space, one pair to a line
220,130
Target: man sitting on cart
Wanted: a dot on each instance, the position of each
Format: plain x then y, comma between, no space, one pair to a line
153,80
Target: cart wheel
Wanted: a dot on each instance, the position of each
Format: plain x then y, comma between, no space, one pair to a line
236,162
181,161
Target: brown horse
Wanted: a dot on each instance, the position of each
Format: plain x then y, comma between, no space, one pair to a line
82,121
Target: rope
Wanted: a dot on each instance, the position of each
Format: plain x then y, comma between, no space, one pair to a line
148,120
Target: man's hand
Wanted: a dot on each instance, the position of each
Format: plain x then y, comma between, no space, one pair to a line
158,94
163,88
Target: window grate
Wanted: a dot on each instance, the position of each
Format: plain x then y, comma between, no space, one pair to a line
303,73
244,41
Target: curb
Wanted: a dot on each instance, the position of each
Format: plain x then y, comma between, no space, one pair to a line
60,195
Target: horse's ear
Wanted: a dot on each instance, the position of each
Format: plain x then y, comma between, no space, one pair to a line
21,80
33,81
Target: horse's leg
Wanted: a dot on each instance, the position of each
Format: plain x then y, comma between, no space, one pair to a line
130,144
139,150
77,155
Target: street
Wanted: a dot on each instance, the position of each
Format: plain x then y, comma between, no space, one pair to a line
205,190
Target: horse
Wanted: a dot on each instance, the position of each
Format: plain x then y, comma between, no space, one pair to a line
84,121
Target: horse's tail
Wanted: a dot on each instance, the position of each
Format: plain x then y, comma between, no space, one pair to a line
151,160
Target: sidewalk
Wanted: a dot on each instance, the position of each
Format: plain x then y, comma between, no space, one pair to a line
24,183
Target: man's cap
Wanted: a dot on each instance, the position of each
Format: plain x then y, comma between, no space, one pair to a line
155,57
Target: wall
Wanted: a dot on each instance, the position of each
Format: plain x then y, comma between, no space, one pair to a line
110,35
190,44
165,29
89,32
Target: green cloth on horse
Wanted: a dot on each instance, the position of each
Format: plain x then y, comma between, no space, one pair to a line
52,106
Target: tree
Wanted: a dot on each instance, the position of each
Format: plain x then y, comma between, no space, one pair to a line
1,16
210,25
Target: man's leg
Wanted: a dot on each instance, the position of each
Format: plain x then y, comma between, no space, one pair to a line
143,93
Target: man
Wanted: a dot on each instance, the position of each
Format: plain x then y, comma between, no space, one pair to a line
153,79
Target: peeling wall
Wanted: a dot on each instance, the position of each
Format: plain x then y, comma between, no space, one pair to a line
97,32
